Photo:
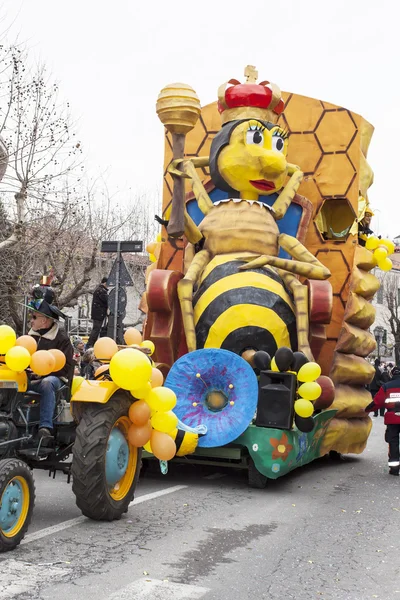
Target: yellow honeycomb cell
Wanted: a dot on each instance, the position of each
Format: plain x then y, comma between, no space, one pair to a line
195,138
303,114
338,266
334,175
335,131
304,151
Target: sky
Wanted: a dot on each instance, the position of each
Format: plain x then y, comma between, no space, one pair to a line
112,59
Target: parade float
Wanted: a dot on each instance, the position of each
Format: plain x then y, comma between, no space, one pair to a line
259,270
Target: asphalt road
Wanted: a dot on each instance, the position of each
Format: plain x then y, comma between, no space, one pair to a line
328,531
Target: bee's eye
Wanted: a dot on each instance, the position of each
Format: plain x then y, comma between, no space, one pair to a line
277,143
254,137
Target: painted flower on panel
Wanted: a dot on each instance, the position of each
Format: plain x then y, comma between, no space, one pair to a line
281,447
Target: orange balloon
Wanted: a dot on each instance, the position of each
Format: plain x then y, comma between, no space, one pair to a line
139,435
139,413
157,378
28,342
162,445
105,348
101,370
60,359
132,336
42,362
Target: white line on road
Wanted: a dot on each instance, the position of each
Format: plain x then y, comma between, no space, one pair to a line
159,590
32,537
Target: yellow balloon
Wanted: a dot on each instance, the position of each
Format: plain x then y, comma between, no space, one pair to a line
148,344
273,365
372,242
380,254
76,383
152,258
385,265
303,408
161,399
309,372
389,245
7,338
159,237
151,247
310,390
130,369
147,447
18,358
142,392
164,421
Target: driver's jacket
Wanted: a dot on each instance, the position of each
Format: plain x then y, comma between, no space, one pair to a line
388,397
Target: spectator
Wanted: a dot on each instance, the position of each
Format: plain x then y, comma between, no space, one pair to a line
89,364
376,384
99,311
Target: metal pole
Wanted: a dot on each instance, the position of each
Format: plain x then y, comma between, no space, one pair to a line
25,317
117,290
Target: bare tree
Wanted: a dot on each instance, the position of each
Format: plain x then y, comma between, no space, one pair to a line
390,290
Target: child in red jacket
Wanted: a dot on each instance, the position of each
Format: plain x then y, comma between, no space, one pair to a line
388,397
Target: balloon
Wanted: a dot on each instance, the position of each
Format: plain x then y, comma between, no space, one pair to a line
303,408
284,358
309,372
304,425
7,338
389,245
310,391
380,254
130,369
142,392
139,412
157,378
60,359
139,435
18,358
42,362
162,445
161,399
132,336
147,447
105,348
151,247
385,265
159,237
299,359
100,370
328,393
164,421
76,383
273,365
372,242
148,344
152,258
28,342
262,360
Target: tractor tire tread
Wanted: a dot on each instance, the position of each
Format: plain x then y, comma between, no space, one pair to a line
7,466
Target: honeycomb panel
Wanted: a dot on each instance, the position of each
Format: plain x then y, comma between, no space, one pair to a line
335,261
334,175
195,138
303,114
332,330
304,149
335,131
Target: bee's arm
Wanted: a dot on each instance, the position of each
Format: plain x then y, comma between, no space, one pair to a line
286,196
304,264
187,168
185,293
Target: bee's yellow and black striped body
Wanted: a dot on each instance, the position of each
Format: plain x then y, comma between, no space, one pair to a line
235,310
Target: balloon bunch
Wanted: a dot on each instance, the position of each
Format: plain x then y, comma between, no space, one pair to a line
154,249
314,392
21,353
152,419
381,249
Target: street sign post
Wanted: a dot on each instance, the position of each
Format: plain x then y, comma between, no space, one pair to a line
119,278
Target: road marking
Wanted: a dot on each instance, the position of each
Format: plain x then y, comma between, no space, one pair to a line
38,535
21,577
215,476
159,590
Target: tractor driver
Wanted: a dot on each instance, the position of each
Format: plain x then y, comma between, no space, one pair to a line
46,330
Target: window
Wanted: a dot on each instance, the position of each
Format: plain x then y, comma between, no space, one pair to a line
384,337
379,296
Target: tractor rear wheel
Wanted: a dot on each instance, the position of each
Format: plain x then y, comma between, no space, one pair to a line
105,466
17,499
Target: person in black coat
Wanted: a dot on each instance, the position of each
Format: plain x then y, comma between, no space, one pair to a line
376,384
99,311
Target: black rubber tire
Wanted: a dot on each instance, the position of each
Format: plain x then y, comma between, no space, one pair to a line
336,456
255,478
10,468
88,460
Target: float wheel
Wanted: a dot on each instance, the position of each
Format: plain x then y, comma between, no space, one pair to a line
255,478
17,499
105,466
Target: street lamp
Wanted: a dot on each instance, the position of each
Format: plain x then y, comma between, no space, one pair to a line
378,333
